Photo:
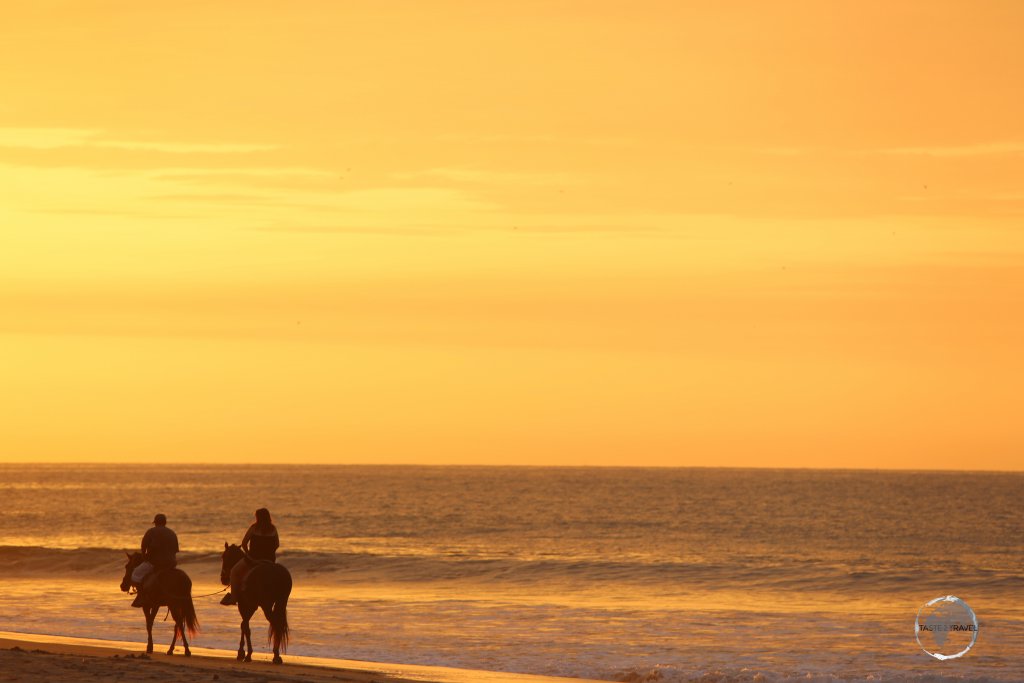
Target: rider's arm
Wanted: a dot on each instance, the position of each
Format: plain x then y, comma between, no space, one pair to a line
277,541
245,541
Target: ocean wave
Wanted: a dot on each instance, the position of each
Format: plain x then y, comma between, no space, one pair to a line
30,561
803,576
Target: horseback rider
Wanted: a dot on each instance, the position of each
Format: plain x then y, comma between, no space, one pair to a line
260,544
159,549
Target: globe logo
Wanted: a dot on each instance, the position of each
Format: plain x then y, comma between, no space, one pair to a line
946,627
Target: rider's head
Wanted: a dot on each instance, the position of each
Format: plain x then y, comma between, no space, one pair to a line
263,520
160,520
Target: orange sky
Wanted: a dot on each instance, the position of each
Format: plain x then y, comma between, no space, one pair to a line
536,232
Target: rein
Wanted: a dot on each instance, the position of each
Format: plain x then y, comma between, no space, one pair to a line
168,612
135,591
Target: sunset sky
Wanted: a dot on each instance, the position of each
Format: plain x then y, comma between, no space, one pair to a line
532,232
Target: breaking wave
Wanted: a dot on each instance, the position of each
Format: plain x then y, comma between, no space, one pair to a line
802,575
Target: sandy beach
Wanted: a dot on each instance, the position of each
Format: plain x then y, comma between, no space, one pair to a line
28,657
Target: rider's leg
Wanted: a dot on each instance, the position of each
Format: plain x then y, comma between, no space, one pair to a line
237,574
141,572
139,576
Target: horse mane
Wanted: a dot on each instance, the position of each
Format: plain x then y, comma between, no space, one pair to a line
237,548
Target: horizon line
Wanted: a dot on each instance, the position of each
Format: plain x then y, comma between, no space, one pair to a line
509,465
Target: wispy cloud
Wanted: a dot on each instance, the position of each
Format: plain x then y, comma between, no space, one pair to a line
475,175
412,231
780,151
190,173
518,138
982,149
949,151
183,148
59,138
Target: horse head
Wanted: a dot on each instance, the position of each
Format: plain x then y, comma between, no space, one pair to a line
231,555
134,560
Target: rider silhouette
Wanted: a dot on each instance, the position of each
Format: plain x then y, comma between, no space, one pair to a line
159,549
260,544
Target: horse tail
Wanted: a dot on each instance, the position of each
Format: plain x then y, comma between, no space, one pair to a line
277,635
182,604
189,617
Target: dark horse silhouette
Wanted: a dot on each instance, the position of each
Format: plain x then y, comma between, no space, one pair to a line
171,588
267,587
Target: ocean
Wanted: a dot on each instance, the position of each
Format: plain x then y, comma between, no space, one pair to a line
624,574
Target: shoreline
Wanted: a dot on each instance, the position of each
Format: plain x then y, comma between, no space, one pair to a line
62,658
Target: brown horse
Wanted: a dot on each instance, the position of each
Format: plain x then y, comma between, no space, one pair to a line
171,588
267,587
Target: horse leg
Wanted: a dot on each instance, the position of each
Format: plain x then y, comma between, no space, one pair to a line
241,640
179,626
180,621
174,639
248,641
277,646
248,632
150,613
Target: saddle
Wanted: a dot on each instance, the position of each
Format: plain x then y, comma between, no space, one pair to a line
150,578
144,591
251,564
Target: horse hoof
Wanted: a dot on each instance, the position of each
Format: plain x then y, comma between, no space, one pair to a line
171,651
188,653
278,660
241,656
248,658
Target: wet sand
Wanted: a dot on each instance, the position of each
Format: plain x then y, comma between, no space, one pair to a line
28,657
